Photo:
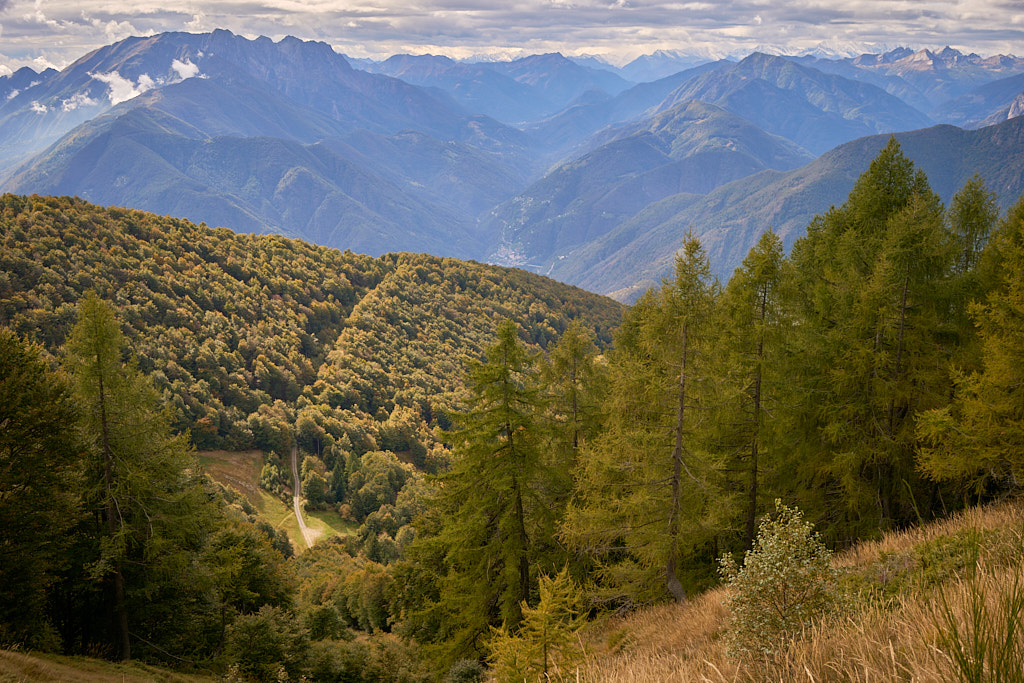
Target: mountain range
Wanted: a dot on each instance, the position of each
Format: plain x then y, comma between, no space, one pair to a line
568,166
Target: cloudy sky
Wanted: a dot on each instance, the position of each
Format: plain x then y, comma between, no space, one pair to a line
55,32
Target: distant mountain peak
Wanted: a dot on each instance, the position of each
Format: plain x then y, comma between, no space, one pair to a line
889,57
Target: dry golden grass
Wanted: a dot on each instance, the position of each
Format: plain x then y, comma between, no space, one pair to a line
240,470
18,667
1008,515
890,639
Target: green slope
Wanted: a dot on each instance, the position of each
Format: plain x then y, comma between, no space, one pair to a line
240,331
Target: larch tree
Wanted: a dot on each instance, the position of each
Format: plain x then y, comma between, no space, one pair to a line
754,359
495,518
874,277
647,485
978,440
39,484
141,479
972,215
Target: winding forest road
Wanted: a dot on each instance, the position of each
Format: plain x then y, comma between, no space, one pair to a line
308,536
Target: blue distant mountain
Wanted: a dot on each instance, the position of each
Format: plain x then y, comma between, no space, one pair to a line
563,165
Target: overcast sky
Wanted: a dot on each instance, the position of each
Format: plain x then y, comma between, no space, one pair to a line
56,32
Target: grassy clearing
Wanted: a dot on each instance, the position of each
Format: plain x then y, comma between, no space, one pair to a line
20,666
241,471
939,603
330,524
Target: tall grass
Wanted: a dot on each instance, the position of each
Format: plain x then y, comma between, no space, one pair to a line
939,603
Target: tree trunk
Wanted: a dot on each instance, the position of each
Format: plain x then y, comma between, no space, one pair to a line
120,610
671,580
752,488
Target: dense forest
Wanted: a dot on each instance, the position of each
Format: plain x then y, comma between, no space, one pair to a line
516,460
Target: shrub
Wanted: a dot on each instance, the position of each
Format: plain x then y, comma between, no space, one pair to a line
786,582
261,644
465,671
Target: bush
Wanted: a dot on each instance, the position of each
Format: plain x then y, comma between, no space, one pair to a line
465,671
785,583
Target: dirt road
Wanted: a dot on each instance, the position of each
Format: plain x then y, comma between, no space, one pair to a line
307,535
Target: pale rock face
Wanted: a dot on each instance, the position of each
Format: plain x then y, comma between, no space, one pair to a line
1016,107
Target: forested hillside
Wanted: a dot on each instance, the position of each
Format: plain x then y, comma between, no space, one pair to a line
240,341
232,326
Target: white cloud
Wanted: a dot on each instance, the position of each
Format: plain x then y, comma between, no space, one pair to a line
64,30
121,89
80,99
39,108
14,93
184,69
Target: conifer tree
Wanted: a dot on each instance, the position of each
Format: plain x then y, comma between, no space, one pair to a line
874,276
972,216
646,486
494,511
573,384
548,639
754,360
141,480
979,438
39,483
574,380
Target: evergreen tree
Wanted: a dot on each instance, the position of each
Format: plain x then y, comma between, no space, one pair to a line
874,276
39,482
754,360
972,216
979,438
574,381
495,513
646,487
141,479
548,639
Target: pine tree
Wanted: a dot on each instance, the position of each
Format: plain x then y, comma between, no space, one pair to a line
646,487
